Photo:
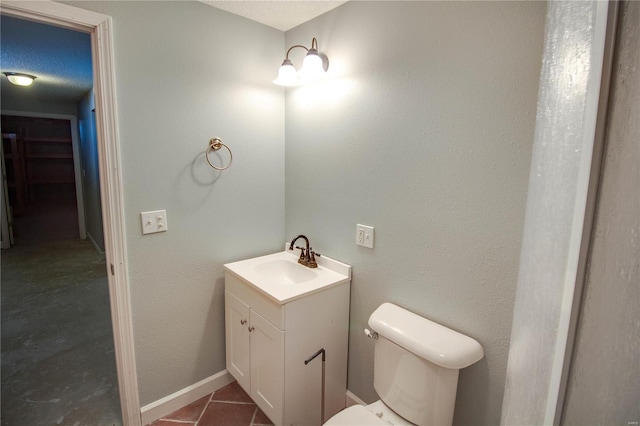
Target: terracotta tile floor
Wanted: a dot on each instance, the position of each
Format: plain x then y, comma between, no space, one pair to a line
228,406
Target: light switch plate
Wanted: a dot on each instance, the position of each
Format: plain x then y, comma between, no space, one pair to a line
364,235
155,221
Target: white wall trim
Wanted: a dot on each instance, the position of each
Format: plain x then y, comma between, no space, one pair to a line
54,13
169,404
527,400
112,198
77,166
100,28
596,107
352,399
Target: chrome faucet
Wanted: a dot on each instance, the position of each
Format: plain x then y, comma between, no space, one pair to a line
307,255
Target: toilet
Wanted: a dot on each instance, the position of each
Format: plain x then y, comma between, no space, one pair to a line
416,369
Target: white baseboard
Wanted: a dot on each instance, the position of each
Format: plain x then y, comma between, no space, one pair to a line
351,399
96,247
183,397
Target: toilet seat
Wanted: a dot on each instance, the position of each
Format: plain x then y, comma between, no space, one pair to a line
371,415
356,415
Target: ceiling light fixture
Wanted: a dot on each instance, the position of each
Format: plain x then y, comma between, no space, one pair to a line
20,79
314,65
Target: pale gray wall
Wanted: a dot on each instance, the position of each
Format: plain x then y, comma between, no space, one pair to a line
90,170
423,130
604,381
186,72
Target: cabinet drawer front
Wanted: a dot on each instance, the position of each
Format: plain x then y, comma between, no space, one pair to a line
237,340
267,367
270,310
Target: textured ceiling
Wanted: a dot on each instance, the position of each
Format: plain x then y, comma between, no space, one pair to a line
59,58
282,15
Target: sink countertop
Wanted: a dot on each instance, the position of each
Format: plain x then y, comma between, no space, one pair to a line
298,281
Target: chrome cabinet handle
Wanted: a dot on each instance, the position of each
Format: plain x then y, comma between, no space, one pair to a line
243,322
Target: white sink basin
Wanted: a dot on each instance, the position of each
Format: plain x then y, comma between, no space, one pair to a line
283,279
285,271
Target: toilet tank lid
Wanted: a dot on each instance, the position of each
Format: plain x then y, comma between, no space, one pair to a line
425,338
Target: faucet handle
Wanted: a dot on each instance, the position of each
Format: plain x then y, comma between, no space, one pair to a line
312,258
303,258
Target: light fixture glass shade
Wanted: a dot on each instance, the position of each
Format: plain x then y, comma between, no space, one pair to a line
287,75
312,66
20,79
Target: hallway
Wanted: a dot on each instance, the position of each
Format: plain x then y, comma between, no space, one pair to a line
58,365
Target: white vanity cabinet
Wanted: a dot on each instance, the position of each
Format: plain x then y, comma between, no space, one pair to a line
268,340
255,355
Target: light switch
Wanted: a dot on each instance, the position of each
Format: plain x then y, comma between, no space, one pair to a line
155,221
364,235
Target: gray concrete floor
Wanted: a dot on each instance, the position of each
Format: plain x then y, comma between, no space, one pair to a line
58,363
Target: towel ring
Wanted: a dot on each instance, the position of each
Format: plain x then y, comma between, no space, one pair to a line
214,145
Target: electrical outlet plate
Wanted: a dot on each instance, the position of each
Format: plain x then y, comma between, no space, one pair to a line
152,222
364,235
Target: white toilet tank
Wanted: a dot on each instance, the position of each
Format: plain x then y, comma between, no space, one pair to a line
416,364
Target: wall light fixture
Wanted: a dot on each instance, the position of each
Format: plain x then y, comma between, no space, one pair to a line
314,65
20,79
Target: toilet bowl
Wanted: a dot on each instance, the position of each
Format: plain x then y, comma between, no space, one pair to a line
416,365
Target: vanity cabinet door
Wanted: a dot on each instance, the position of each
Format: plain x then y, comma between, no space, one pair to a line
238,340
267,367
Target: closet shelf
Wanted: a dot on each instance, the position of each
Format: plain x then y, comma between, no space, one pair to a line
49,156
50,180
47,140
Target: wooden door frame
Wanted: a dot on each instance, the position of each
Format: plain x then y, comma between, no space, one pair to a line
100,27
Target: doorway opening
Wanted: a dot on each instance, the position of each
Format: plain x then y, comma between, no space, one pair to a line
58,356
100,27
